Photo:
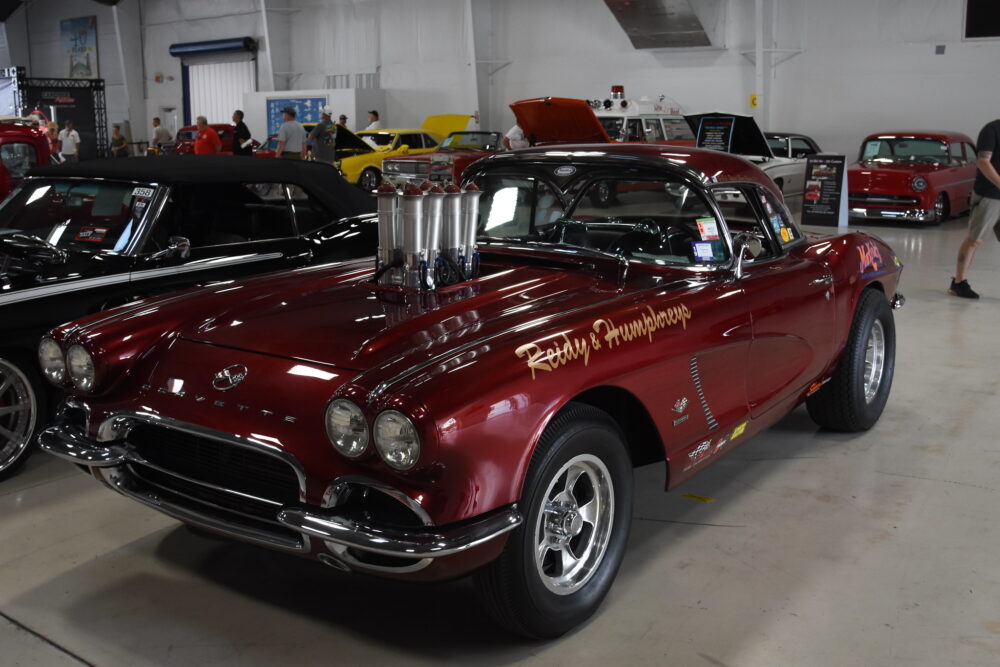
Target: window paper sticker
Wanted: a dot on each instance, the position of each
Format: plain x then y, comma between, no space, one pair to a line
785,236
776,223
94,234
708,229
142,192
703,251
767,205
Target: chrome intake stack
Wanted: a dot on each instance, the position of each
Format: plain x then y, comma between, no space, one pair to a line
427,236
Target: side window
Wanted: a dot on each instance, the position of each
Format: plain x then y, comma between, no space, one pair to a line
957,156
429,141
785,231
309,213
766,218
801,147
516,206
18,158
677,128
411,140
970,151
653,130
635,131
778,146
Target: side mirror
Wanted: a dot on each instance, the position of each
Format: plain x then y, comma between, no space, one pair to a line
177,246
745,244
405,148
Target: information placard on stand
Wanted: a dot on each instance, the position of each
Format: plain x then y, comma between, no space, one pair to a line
716,133
824,201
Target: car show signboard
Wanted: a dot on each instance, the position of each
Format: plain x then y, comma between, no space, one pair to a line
824,202
716,133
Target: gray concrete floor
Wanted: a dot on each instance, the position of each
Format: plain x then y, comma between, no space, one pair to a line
817,549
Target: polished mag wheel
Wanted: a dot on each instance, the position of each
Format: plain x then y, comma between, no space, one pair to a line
874,360
18,416
574,525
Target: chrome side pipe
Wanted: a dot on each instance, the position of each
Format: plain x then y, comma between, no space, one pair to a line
414,237
452,238
434,208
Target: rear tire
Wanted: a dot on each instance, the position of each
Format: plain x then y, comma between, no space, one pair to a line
853,400
22,404
369,179
559,564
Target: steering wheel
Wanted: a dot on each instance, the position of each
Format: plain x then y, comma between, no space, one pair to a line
645,236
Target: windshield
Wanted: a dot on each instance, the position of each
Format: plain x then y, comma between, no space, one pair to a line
778,146
904,149
658,220
378,138
484,141
81,215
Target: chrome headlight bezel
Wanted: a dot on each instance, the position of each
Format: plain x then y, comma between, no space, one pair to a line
347,439
80,367
918,183
396,440
52,360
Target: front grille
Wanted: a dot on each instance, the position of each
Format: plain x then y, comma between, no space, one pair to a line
194,491
889,200
216,462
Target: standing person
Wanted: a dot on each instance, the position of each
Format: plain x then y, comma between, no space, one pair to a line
241,135
52,134
515,139
291,137
207,141
373,122
324,137
161,135
119,146
69,143
342,121
985,211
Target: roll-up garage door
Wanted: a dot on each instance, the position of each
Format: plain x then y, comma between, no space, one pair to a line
216,89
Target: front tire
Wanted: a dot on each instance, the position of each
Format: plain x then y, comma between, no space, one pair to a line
560,563
369,179
22,401
853,400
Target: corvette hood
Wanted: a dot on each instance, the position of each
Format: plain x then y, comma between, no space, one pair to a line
352,324
559,120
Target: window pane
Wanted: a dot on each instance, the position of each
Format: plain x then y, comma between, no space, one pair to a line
18,158
653,130
514,206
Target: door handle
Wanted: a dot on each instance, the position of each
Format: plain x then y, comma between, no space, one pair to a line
825,280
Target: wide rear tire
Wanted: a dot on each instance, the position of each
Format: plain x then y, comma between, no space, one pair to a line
853,400
560,563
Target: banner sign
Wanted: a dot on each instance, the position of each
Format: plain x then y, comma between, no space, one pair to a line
306,110
79,43
824,201
716,133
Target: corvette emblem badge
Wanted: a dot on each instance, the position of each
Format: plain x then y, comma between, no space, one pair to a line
230,377
680,405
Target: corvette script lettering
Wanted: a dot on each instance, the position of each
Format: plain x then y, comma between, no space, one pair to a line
605,333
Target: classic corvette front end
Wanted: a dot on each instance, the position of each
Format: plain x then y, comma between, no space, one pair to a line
473,400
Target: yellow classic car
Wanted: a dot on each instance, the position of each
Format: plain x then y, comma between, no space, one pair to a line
364,167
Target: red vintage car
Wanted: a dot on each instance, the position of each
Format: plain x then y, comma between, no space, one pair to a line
23,145
474,399
447,162
919,176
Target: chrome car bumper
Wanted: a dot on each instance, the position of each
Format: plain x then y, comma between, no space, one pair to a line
110,463
906,215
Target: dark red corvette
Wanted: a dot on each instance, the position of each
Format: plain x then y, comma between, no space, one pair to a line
474,400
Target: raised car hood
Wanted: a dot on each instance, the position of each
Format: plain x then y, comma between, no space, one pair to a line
559,120
354,325
446,123
746,138
347,140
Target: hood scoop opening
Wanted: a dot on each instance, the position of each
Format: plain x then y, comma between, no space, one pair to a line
427,236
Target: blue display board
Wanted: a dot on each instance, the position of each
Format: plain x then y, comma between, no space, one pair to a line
306,109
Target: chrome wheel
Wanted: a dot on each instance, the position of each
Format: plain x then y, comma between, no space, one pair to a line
17,414
370,179
574,526
874,360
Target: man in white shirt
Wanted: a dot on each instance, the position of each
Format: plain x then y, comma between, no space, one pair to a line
515,139
70,142
161,135
373,122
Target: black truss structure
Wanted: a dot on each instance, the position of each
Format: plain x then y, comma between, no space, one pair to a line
96,88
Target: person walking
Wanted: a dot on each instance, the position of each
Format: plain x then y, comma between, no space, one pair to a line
373,122
161,135
291,137
69,143
985,213
207,141
241,137
119,145
324,137
52,134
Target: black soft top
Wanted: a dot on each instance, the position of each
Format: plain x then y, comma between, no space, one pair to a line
322,180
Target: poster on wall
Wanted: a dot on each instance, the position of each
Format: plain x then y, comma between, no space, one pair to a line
824,202
79,41
306,110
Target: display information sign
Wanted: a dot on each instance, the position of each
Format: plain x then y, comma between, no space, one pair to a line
824,201
716,133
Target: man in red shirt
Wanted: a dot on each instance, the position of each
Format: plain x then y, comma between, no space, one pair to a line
207,141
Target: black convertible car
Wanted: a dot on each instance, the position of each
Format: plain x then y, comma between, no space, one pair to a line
79,238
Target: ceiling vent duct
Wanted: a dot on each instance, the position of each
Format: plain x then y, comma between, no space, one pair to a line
660,24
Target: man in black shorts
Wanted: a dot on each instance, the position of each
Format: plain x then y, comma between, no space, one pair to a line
985,211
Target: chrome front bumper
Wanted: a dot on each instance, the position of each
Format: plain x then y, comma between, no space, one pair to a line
109,462
905,215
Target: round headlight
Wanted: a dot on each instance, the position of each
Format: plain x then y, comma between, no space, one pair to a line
346,427
51,359
396,440
80,365
919,183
